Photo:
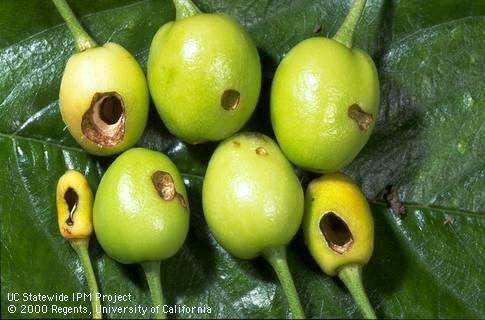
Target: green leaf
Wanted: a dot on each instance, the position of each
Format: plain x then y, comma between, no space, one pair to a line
429,143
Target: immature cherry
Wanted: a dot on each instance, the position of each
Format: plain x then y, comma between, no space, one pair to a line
204,74
103,96
141,213
324,99
253,203
74,201
339,232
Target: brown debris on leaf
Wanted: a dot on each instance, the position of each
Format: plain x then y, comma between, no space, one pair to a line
449,220
317,28
393,201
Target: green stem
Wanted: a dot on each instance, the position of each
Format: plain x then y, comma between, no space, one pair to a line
185,9
277,258
81,247
351,275
82,40
152,272
346,31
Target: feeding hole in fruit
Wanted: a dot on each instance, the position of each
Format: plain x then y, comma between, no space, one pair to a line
261,151
163,183
336,232
72,200
104,122
362,118
165,186
230,99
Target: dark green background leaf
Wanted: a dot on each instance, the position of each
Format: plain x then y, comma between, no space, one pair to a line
429,142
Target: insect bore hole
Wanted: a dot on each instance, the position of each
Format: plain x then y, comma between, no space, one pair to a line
71,197
230,99
110,110
104,121
362,119
336,233
164,184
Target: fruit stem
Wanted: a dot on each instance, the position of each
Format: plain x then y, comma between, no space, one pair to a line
277,258
152,272
345,33
351,276
82,40
81,247
185,9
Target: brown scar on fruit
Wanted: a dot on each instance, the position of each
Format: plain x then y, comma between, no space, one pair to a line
182,200
336,232
104,122
236,143
449,220
362,118
230,99
261,151
165,186
393,201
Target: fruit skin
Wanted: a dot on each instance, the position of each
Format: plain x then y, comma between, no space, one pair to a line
339,194
191,63
82,217
252,202
132,222
312,90
109,68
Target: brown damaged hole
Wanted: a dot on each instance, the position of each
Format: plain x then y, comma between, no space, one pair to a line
165,186
104,122
72,199
336,233
362,118
163,182
261,151
230,100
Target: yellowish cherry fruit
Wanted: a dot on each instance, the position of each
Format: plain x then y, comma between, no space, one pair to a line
337,225
104,99
74,200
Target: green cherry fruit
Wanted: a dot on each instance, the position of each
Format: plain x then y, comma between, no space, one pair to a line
104,99
253,204
252,198
204,75
324,100
141,210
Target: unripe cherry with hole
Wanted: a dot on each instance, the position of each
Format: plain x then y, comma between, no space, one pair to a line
103,96
204,74
339,232
325,99
141,213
